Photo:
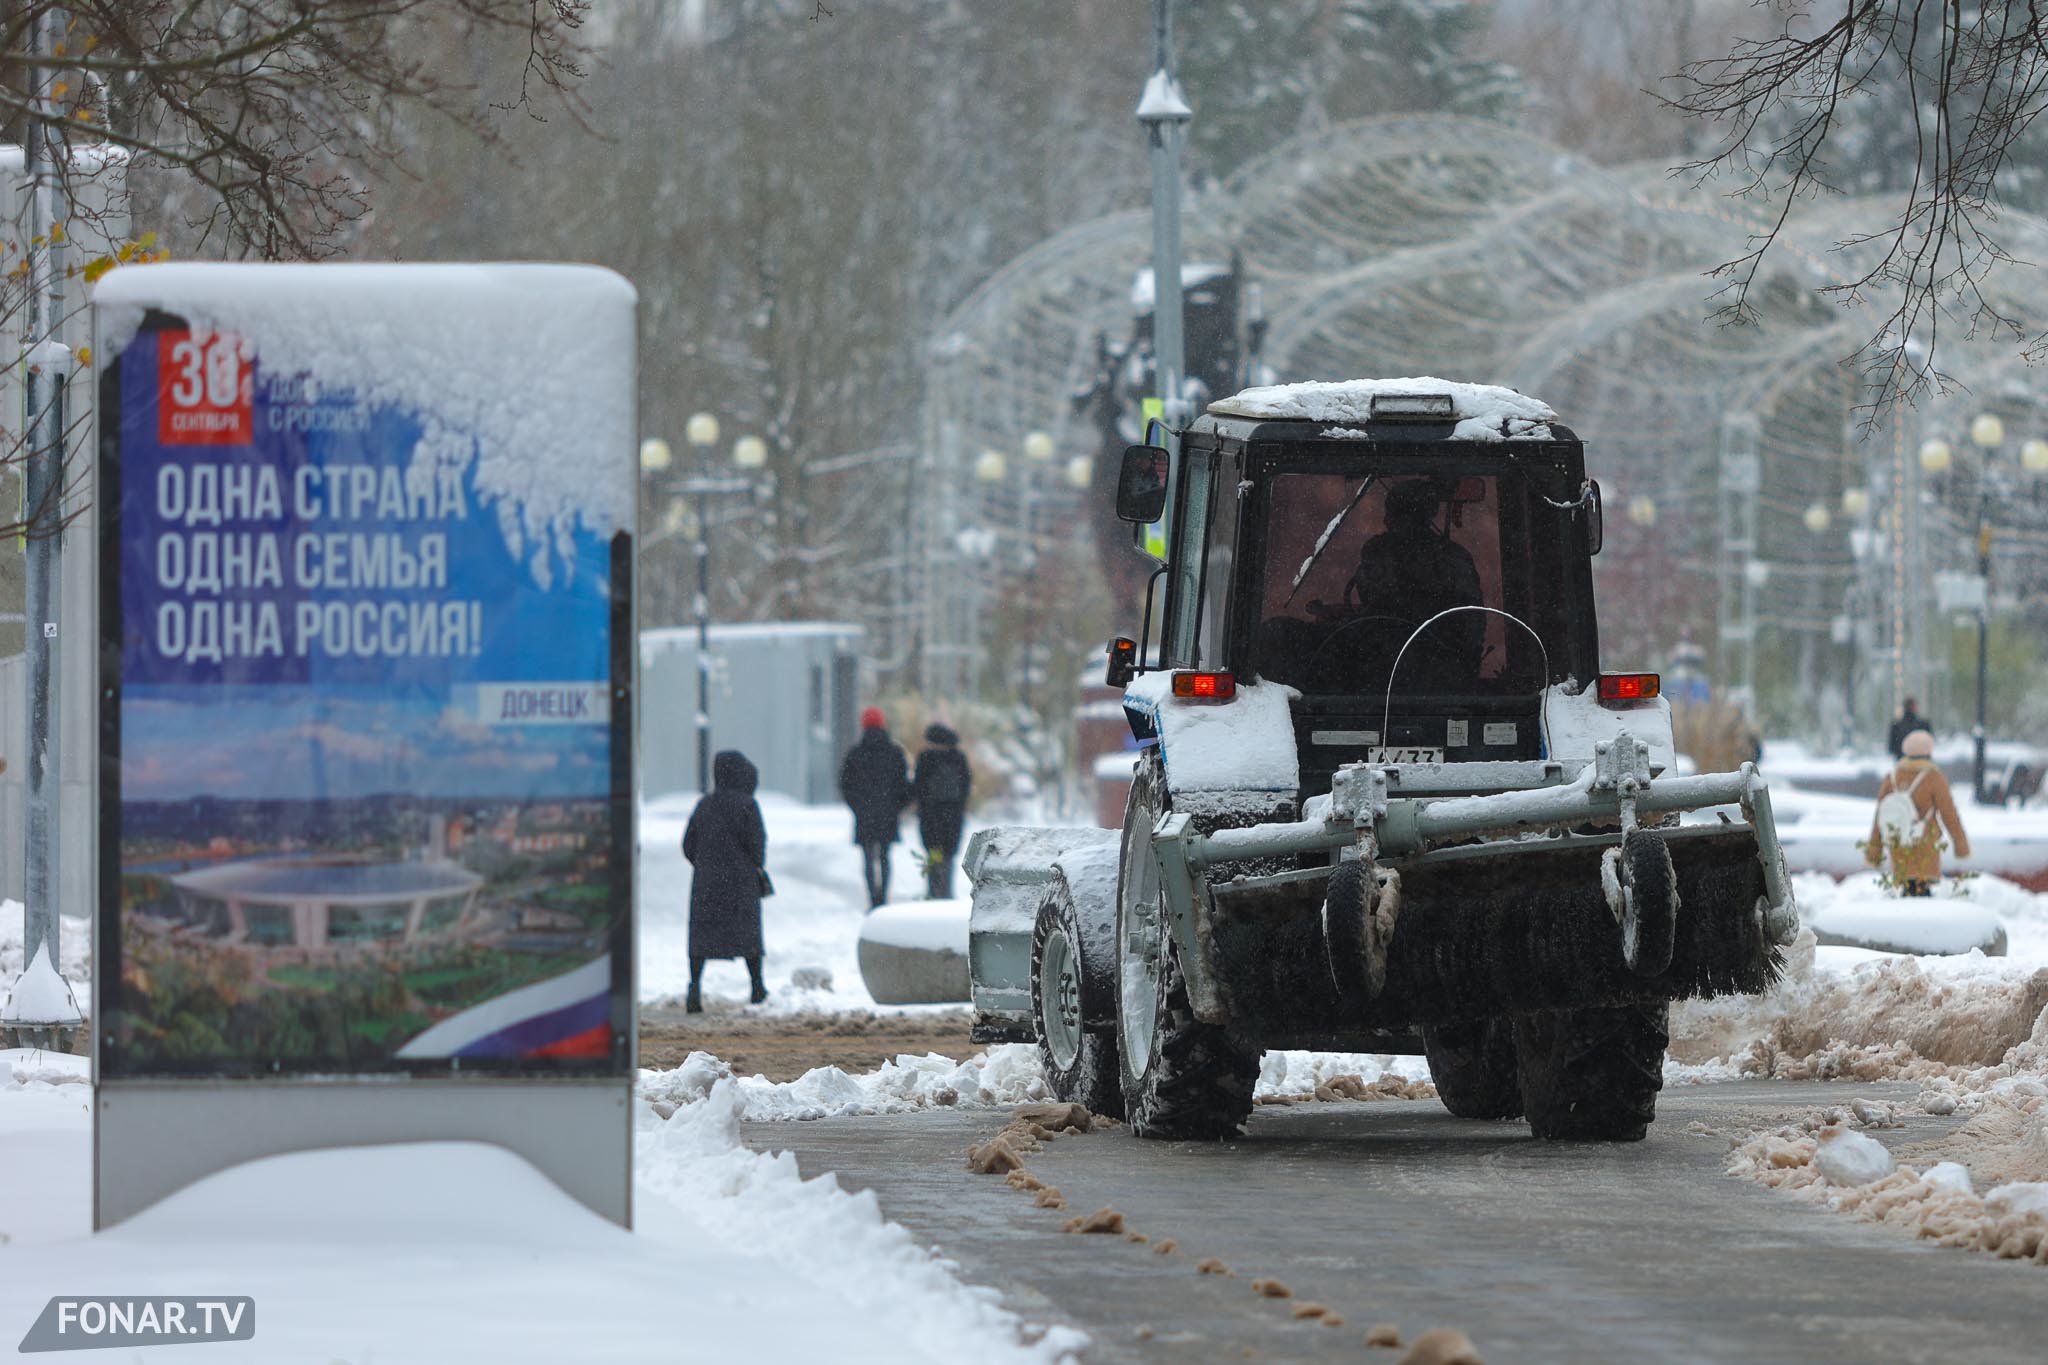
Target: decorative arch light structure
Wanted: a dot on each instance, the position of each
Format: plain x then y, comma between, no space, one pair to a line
1453,246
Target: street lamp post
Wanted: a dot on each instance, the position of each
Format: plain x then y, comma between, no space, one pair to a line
749,453
1988,432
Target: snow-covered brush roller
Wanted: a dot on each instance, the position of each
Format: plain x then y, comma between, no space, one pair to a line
1385,800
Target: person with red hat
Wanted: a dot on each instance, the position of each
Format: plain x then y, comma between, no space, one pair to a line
875,781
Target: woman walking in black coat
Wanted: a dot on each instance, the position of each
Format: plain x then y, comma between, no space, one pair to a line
728,846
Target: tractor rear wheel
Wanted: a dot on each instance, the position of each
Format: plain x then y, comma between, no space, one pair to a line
1069,993
1181,1077
1593,1074
1474,1068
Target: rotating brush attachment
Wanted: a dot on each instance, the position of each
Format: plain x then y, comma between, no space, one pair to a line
1517,931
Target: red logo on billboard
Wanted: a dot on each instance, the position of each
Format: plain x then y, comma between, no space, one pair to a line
205,391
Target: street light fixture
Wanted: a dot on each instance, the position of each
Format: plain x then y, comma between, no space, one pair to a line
1987,432
748,453
1038,447
1642,511
1855,503
991,466
1081,472
1817,518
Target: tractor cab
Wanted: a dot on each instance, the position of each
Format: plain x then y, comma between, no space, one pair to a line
1416,577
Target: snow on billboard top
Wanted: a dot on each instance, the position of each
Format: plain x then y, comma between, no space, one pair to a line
528,367
1484,412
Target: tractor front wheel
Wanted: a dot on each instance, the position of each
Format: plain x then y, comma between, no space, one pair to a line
1181,1077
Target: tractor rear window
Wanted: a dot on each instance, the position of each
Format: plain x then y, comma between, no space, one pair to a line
1355,564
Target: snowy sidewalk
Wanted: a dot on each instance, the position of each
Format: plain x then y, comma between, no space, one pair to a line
436,1252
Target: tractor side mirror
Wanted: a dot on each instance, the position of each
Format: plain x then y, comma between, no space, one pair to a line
1141,485
1123,662
1596,531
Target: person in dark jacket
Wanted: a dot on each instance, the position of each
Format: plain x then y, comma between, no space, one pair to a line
727,844
1908,721
875,781
941,789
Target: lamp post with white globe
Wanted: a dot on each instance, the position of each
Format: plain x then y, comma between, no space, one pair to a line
749,454
1987,433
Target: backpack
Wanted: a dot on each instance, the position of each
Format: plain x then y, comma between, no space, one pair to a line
1900,820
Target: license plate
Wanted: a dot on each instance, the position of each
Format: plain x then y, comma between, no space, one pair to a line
1382,753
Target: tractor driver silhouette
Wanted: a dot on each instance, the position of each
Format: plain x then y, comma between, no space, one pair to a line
1406,574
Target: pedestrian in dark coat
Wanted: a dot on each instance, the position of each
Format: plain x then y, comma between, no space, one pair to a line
1909,720
941,788
727,844
875,781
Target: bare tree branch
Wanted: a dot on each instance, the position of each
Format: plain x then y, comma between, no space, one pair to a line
1962,82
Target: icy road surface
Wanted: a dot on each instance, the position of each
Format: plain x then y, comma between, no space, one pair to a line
1396,1212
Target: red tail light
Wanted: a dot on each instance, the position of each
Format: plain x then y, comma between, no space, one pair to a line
1629,686
1205,686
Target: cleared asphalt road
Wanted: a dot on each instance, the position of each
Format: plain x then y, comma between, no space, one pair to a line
1397,1212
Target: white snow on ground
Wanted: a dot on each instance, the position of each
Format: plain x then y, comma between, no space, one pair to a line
812,920
1972,1030
1484,412
1002,1076
433,1252
998,1078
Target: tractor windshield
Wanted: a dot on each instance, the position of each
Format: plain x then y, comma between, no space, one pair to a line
1355,562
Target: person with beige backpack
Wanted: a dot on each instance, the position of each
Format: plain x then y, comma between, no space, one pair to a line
1914,806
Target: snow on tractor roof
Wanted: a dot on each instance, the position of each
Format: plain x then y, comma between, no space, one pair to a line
1484,412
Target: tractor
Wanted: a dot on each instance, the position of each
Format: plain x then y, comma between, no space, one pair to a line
1385,798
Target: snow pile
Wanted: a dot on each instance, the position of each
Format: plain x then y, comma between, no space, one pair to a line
1853,1173
41,996
1863,914
1849,1013
1846,1157
1245,744
1484,412
74,951
33,1068
935,926
827,1237
1288,1076
999,1077
526,369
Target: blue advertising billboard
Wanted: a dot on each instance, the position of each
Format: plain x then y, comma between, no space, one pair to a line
365,670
